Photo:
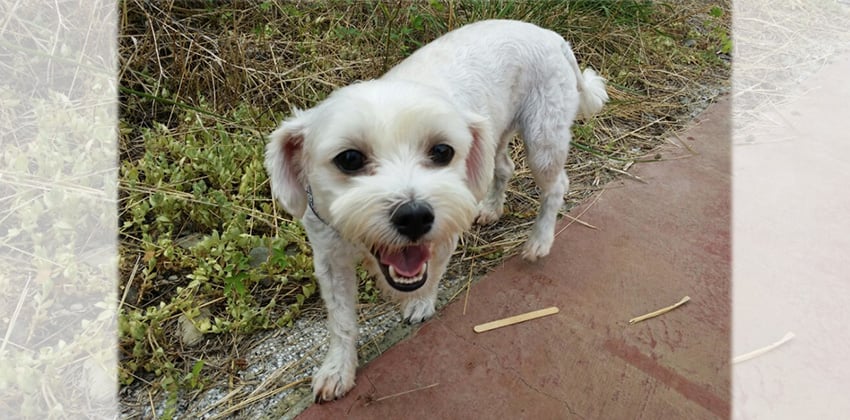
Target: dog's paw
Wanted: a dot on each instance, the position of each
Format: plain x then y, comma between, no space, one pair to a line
334,379
488,215
536,249
418,310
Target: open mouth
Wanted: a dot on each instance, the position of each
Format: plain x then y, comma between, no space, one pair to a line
406,269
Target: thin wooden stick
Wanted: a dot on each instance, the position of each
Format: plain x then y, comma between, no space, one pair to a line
574,219
252,399
15,315
660,311
622,172
756,353
581,222
129,282
515,319
398,394
222,400
468,286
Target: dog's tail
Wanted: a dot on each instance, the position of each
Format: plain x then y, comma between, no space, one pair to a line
591,86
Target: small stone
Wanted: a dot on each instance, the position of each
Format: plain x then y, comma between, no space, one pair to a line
291,250
189,241
189,333
257,256
100,378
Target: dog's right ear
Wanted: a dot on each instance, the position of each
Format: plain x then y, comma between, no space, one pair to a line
285,164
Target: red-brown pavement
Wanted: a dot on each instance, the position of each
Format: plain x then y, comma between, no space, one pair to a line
654,243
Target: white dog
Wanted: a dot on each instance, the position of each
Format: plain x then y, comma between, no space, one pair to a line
392,171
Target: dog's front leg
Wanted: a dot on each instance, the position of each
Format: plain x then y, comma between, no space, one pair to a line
334,264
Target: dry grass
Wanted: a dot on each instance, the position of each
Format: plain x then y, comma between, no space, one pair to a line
57,214
240,67
781,45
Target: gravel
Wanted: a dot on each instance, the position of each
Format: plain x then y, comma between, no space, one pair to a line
292,354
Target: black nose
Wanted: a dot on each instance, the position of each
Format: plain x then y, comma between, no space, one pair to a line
413,219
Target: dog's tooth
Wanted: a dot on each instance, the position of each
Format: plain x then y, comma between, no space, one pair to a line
396,277
406,280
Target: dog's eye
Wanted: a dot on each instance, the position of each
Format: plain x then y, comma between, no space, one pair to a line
350,161
442,154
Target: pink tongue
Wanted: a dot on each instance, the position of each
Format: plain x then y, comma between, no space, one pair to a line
408,260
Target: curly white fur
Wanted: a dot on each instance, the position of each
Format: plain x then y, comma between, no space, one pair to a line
471,90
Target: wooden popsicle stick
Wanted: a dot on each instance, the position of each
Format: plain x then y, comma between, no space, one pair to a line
661,311
515,319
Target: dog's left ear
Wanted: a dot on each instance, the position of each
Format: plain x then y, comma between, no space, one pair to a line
480,160
285,164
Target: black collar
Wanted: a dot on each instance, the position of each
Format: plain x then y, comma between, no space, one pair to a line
312,208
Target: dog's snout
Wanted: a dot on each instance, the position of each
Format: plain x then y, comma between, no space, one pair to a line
413,219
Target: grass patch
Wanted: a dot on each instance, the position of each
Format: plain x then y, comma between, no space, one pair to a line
57,212
206,253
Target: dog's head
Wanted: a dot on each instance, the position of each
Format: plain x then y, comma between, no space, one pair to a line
394,166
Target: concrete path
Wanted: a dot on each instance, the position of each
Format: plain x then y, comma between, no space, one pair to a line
655,243
792,252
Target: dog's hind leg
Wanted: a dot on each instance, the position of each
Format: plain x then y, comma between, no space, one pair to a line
492,207
543,233
547,139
